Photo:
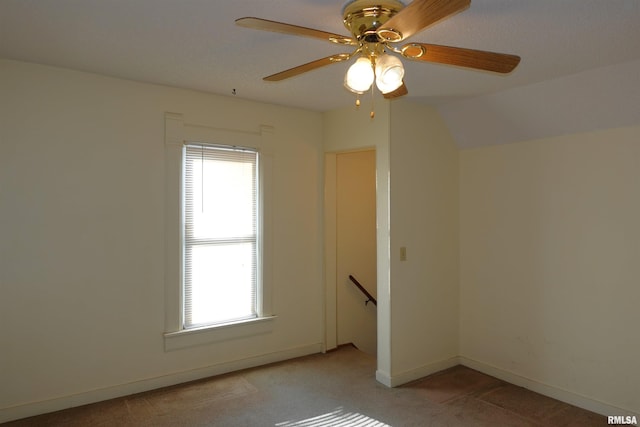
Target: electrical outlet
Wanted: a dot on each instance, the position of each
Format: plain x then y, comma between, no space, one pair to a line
403,253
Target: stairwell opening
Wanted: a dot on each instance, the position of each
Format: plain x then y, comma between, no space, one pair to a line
350,228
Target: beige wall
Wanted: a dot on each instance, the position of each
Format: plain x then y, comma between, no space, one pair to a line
424,220
550,264
82,236
352,129
417,208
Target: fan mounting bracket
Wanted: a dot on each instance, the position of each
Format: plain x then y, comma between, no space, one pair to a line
363,18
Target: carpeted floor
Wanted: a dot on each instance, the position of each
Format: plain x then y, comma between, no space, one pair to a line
334,389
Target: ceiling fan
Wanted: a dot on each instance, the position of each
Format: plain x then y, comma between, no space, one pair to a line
377,28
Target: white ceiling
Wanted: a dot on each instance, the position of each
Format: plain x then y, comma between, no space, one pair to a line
195,44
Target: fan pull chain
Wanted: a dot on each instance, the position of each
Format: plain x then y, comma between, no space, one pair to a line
357,101
372,114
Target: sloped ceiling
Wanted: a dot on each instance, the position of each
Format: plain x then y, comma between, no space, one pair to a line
195,44
601,98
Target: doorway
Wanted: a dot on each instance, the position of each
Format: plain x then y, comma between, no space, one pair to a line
350,228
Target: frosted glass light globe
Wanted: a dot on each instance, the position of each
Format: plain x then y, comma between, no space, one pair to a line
389,73
360,76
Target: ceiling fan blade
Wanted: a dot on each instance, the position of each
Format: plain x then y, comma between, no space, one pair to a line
469,58
401,91
417,16
309,66
280,27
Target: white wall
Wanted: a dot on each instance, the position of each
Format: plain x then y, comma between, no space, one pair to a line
424,220
353,129
82,237
550,265
417,199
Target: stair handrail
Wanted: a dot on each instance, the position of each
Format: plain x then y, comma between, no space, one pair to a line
364,291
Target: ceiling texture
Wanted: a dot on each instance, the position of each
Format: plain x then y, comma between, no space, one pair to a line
195,44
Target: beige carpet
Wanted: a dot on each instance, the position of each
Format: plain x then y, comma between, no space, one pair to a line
334,389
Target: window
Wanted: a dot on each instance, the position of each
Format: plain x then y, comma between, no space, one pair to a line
221,235
206,300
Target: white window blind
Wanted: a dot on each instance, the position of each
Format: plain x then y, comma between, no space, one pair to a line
220,235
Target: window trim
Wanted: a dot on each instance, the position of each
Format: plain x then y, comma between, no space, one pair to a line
177,134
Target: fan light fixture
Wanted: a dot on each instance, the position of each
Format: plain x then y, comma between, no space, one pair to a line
388,74
377,27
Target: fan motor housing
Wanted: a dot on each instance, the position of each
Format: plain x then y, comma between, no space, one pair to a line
363,18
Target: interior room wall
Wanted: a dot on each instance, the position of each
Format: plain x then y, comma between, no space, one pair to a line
550,265
352,129
417,191
82,237
424,220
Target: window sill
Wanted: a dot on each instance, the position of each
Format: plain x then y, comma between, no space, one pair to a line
211,334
